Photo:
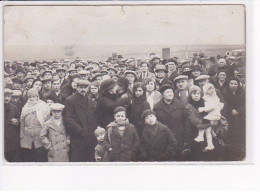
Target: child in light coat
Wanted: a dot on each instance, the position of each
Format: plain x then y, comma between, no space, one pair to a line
213,106
53,136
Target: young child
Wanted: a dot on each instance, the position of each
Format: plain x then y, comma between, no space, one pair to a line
121,139
213,106
53,135
100,148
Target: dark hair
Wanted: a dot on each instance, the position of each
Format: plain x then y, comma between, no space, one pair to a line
35,81
239,88
139,85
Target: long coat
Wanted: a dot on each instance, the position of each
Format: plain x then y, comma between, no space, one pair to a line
11,132
124,148
55,140
161,147
174,116
81,123
66,91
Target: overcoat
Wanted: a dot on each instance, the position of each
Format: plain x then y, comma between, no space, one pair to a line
162,147
81,123
124,148
55,140
174,116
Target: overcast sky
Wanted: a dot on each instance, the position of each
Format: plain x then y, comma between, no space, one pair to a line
51,26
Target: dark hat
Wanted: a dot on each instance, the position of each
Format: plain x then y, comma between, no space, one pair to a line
122,64
17,80
119,109
147,112
95,76
20,70
46,80
201,55
27,78
195,67
79,65
104,72
107,84
160,67
83,83
165,87
179,77
155,58
122,81
202,77
60,69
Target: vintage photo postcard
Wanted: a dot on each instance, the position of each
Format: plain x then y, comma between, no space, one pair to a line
124,83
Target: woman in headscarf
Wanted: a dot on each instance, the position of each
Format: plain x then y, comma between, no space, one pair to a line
34,114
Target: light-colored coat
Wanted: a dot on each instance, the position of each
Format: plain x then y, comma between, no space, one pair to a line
55,140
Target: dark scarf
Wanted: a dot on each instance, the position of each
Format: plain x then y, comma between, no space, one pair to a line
197,104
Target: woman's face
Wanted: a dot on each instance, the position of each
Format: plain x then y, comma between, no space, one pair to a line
120,117
210,91
139,92
33,98
233,85
222,76
38,85
168,94
150,86
196,96
150,119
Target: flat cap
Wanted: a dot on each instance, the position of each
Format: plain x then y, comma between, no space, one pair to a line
8,91
83,72
57,106
82,83
17,93
202,77
179,77
160,67
130,72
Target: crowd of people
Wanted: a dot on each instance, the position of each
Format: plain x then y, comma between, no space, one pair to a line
125,110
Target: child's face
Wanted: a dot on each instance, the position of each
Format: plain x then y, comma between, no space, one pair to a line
100,137
211,91
50,102
196,96
33,98
150,119
56,114
120,117
139,92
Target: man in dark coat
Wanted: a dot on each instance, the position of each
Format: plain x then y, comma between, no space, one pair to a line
11,129
172,113
81,123
55,92
161,78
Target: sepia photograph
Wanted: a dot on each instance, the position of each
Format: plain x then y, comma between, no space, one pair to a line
124,83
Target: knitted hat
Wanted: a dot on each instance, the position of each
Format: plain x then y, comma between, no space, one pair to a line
32,92
119,109
99,131
147,112
194,88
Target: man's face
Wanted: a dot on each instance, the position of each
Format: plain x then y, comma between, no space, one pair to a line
171,66
122,68
82,89
182,84
47,75
56,113
222,62
47,85
83,76
139,92
7,98
160,74
99,80
156,61
17,85
120,117
144,67
195,73
20,75
150,119
61,74
168,94
79,68
202,82
29,83
56,85
130,77
233,85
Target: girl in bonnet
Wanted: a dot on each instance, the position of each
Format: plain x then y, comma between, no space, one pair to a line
34,113
212,107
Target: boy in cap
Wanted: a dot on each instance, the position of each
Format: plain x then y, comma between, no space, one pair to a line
53,136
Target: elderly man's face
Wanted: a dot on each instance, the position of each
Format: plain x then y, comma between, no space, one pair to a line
182,84
168,94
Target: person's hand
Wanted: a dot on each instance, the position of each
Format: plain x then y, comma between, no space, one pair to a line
14,121
110,149
201,109
234,112
98,159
